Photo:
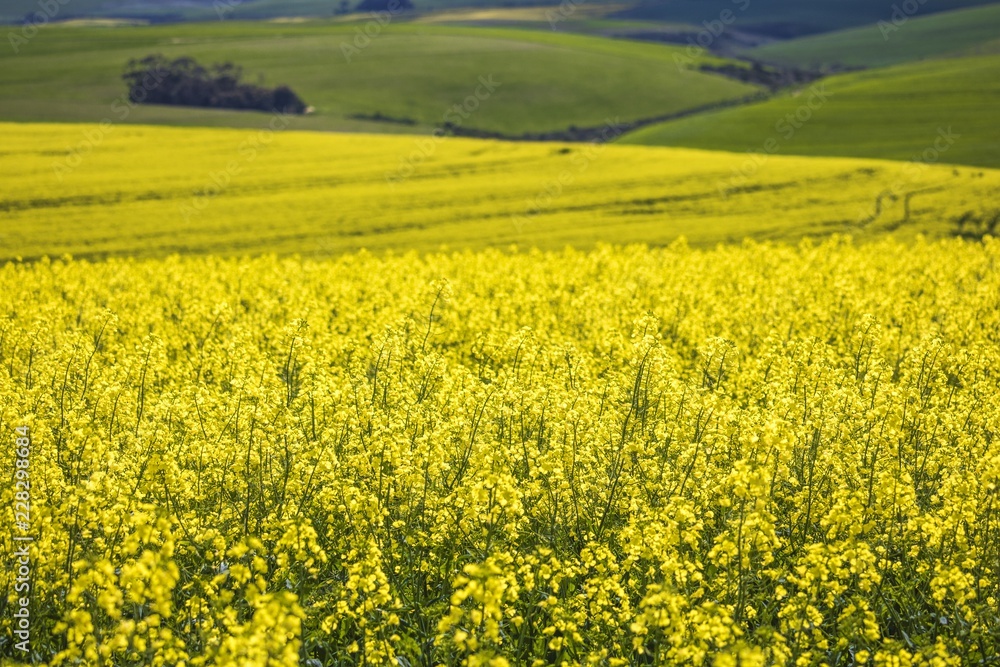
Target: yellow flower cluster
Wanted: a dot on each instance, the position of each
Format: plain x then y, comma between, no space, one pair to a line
752,455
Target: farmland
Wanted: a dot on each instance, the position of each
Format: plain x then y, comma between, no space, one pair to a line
72,189
609,457
203,10
782,19
878,45
937,71
893,113
517,341
412,73
768,16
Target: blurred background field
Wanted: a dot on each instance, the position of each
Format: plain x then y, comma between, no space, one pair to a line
139,190
409,72
660,69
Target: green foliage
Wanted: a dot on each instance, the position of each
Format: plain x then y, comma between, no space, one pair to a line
183,82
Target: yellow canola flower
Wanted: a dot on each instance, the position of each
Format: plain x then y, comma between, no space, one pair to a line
752,455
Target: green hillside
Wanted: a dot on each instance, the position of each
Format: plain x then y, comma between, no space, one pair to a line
782,18
894,113
202,10
778,17
410,72
878,45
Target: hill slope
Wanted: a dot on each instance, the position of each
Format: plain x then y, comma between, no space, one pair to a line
878,46
152,191
781,18
412,73
894,113
206,10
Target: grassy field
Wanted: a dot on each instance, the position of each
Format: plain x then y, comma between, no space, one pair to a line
769,16
920,37
143,191
893,113
782,18
585,19
538,15
546,81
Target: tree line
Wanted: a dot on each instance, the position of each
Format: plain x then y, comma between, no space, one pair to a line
156,79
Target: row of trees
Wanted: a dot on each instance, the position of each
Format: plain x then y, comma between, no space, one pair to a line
156,79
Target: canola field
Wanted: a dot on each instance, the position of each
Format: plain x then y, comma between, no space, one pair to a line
752,455
97,191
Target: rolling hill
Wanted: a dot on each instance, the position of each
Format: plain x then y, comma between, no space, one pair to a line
407,73
782,19
205,10
148,191
875,45
13,11
893,113
777,18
